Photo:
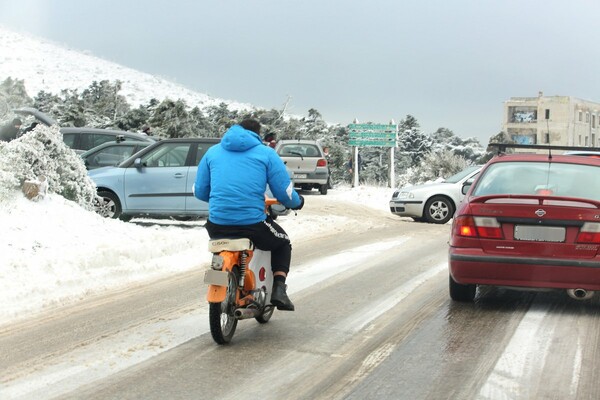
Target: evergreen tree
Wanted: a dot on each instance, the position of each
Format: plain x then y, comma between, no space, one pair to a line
413,144
12,95
172,120
103,104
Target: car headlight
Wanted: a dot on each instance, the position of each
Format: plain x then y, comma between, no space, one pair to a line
404,195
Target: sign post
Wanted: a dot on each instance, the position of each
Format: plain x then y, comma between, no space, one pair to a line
373,135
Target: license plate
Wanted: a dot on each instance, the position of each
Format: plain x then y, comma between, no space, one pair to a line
540,233
219,278
300,176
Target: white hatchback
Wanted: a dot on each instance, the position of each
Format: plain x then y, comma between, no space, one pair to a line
432,202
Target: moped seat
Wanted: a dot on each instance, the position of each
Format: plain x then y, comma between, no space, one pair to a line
218,245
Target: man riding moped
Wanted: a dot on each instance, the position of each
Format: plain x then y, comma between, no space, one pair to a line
232,177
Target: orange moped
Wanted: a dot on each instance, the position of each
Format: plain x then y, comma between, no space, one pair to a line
240,282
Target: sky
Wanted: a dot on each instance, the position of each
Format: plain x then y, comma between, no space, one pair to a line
449,64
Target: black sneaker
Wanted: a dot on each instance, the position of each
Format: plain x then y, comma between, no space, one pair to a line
279,298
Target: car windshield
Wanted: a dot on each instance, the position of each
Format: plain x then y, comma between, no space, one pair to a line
535,178
462,174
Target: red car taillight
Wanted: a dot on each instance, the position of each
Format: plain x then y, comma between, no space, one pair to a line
589,233
483,227
321,162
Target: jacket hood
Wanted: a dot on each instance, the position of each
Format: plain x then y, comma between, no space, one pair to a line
239,139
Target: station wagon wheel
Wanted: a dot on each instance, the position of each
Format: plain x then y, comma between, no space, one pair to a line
438,210
323,188
460,292
108,205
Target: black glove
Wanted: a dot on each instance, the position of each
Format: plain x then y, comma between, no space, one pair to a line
301,203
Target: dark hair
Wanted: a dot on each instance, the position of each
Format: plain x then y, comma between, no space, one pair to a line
251,125
269,136
17,121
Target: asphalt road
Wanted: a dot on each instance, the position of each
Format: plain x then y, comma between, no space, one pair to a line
373,320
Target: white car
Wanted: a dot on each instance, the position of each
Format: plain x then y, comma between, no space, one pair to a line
432,202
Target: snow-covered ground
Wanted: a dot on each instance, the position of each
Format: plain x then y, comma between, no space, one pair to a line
54,253
51,67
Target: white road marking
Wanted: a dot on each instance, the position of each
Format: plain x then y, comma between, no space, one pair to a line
528,347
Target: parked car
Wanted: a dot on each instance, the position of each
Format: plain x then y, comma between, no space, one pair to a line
82,139
111,153
157,181
529,221
432,202
306,160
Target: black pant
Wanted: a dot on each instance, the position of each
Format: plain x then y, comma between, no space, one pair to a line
266,235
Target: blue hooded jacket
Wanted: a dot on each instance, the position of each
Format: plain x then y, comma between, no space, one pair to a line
233,176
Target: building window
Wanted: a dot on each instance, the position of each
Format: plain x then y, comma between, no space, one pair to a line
547,137
587,117
579,140
522,114
586,141
580,116
593,139
593,121
547,113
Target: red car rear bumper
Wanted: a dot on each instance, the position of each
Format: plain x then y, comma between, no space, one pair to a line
473,266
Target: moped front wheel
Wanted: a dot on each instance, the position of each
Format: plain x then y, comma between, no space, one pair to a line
221,315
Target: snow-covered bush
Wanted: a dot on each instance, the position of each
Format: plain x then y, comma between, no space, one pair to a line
42,152
435,166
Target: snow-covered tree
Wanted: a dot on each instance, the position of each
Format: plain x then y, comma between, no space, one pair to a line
413,144
12,95
42,152
103,103
438,165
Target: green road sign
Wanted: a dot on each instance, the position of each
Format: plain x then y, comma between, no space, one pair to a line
372,143
372,128
373,135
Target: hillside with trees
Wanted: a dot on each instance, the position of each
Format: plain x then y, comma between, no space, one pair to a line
419,157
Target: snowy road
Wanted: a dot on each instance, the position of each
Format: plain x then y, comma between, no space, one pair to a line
373,320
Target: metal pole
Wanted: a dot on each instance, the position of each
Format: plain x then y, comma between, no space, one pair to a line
392,172
355,167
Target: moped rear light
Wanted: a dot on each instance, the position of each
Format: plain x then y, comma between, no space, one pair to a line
589,233
321,162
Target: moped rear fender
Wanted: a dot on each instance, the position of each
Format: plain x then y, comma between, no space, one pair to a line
217,293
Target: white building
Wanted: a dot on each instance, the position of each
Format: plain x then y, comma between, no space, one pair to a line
554,120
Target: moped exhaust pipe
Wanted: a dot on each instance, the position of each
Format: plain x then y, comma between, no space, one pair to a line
245,313
580,294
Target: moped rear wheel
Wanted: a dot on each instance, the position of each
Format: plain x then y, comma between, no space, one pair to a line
266,314
221,315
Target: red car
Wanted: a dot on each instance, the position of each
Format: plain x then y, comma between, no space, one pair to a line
529,221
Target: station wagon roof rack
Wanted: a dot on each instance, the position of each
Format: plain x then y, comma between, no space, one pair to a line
503,146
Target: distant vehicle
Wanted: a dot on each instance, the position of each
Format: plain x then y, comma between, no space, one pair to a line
306,160
529,221
82,139
432,202
111,153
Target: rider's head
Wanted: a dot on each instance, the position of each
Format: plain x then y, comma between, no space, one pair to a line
251,125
